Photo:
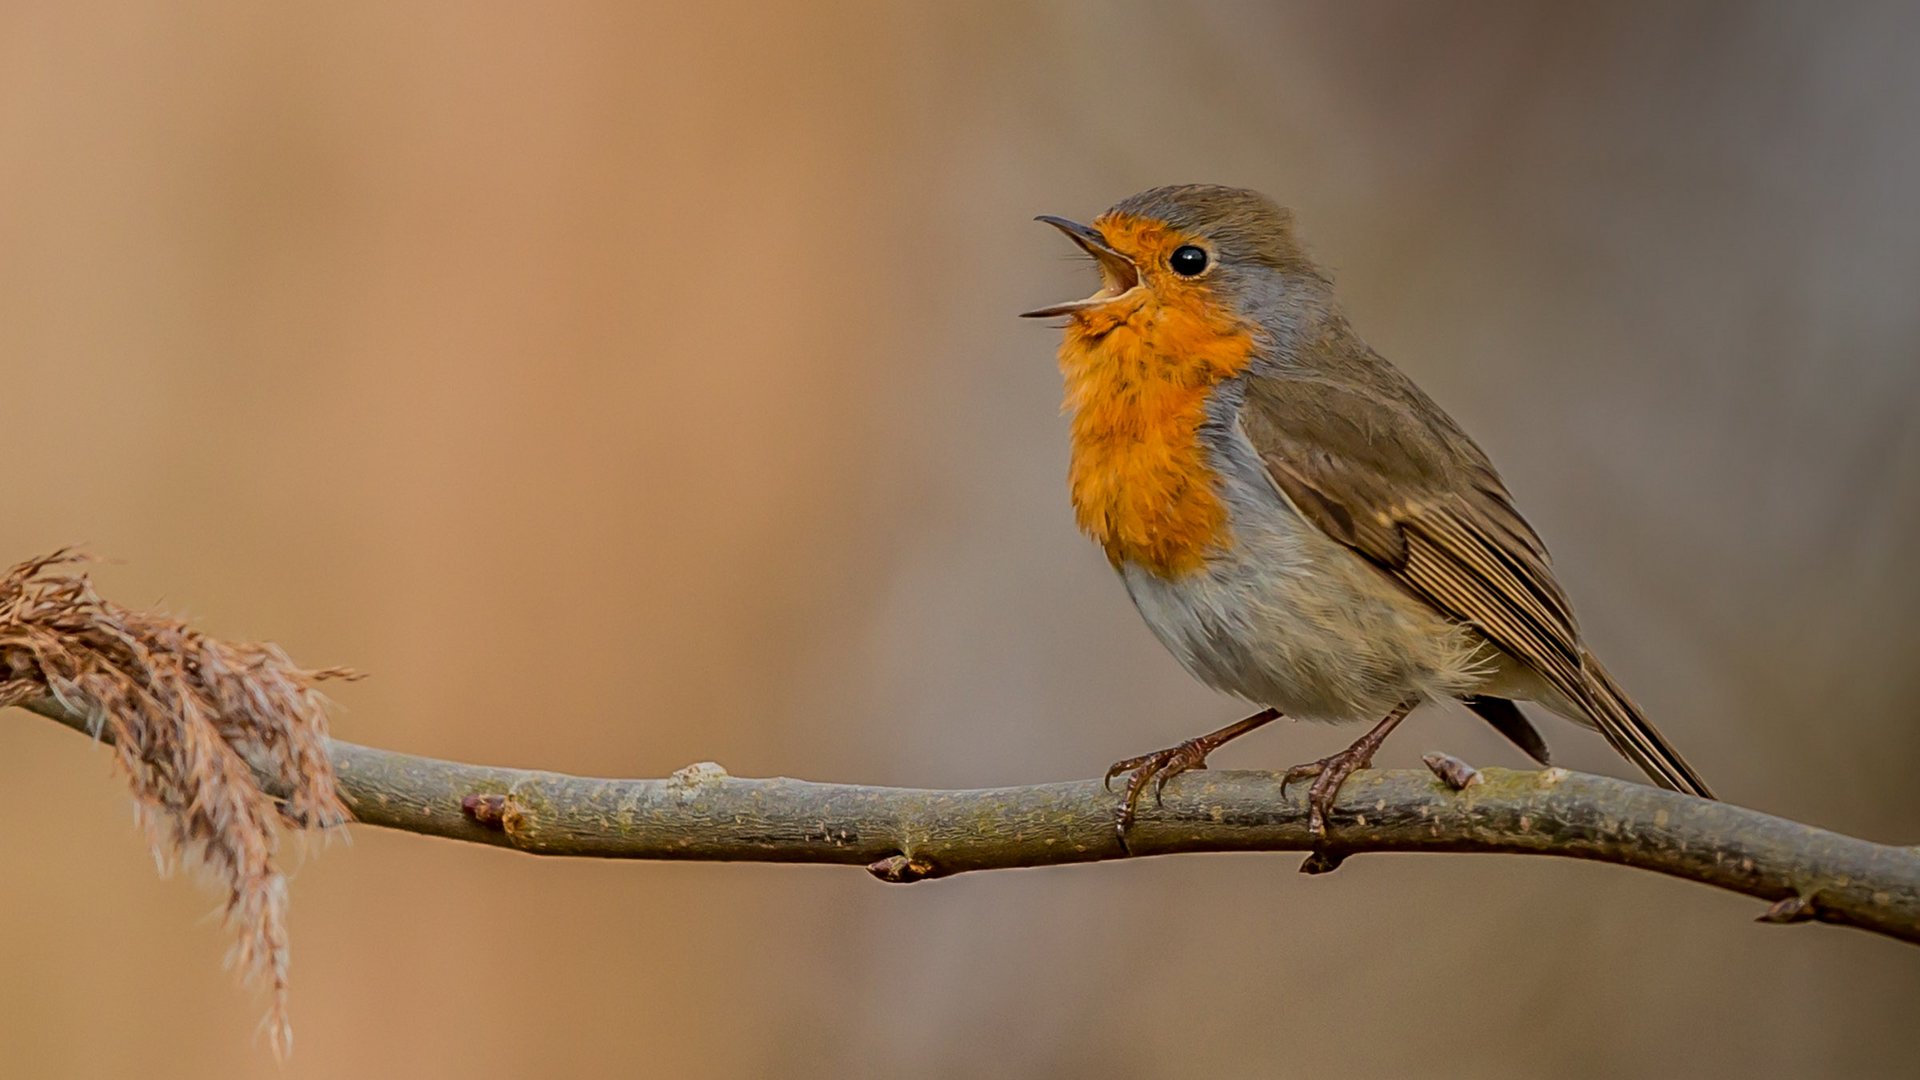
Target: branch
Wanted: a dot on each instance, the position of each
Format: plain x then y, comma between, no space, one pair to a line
906,834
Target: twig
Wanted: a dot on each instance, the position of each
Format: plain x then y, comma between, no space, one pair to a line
904,834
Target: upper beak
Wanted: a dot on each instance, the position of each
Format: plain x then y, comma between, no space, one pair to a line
1117,272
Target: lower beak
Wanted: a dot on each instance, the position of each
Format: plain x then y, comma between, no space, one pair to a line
1117,272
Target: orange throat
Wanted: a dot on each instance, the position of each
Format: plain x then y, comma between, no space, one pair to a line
1139,374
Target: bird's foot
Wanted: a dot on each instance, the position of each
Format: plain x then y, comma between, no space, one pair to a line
1156,768
1328,774
1332,771
1163,765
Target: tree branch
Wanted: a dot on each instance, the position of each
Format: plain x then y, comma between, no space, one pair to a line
904,834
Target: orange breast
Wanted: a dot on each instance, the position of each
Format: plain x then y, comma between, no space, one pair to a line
1139,374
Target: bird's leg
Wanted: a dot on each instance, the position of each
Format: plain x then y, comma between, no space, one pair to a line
1163,765
1332,771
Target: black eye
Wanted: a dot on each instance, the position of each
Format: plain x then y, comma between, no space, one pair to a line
1188,260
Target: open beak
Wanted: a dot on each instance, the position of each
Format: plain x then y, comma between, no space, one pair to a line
1118,275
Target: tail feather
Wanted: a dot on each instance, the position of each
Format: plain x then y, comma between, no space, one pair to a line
1508,720
1628,730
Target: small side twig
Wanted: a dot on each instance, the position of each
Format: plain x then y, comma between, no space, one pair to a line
1453,772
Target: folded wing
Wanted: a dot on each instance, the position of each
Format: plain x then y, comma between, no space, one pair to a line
1389,475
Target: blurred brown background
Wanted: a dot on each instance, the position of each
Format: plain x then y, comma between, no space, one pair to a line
625,386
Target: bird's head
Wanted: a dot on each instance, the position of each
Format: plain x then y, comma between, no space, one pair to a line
1196,253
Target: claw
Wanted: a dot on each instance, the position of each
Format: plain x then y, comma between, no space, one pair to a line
1174,769
1301,772
1127,765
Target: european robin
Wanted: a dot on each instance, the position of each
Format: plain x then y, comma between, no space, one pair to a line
1296,521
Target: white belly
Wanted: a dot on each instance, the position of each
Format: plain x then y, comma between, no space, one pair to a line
1287,617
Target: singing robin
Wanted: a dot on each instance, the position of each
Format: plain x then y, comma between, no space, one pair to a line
1296,521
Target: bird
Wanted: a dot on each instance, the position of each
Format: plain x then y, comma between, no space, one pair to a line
1297,522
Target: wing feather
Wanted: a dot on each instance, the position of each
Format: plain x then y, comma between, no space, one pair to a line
1384,471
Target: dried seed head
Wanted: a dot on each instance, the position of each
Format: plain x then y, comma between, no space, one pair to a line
195,724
